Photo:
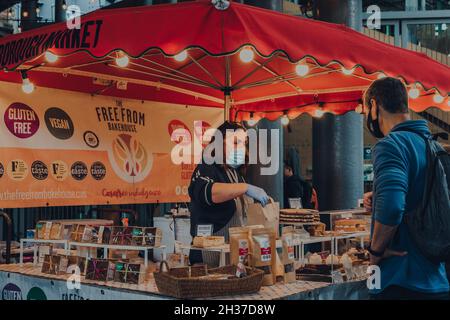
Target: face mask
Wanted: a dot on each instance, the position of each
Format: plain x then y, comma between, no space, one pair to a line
374,126
236,158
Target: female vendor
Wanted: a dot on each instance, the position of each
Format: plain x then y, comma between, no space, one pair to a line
217,190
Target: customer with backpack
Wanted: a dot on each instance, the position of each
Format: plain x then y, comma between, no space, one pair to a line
400,215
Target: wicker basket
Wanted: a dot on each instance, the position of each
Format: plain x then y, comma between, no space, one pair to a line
195,287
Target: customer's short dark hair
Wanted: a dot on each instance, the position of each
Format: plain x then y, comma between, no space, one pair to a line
389,93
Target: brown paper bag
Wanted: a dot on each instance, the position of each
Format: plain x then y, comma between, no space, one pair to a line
269,216
288,257
263,253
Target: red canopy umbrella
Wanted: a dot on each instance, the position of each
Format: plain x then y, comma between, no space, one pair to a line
257,62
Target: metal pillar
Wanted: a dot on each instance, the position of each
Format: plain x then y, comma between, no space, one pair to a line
276,5
338,140
8,223
272,184
28,15
60,12
136,3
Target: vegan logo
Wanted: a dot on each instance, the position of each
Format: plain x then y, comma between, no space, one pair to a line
129,158
79,170
21,120
2,170
39,170
17,170
36,293
98,170
59,170
11,292
59,123
91,139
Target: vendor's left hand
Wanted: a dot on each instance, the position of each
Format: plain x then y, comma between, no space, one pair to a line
387,254
258,194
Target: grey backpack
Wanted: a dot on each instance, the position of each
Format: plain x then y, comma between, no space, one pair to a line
429,223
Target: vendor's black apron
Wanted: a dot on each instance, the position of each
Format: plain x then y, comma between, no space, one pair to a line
238,219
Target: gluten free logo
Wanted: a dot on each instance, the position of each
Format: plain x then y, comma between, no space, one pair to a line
39,170
79,171
11,292
21,120
17,170
59,123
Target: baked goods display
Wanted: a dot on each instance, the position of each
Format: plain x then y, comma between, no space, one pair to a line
323,266
350,225
209,241
299,216
317,230
97,231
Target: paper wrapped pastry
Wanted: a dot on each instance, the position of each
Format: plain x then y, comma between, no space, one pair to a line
122,236
150,236
100,270
129,273
80,262
211,241
315,259
332,260
54,264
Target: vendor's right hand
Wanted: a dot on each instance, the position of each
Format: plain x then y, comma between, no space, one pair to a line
258,194
368,201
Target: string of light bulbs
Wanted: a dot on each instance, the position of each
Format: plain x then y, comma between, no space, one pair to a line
246,55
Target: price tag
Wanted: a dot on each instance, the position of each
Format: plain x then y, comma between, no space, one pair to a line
204,230
295,203
337,276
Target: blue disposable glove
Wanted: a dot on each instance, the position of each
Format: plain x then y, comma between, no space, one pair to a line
258,194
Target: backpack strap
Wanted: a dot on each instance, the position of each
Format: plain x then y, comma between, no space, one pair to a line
413,131
440,153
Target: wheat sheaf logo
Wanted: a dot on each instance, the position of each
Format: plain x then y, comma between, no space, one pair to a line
129,158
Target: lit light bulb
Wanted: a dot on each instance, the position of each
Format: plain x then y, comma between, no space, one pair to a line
302,69
246,55
414,93
381,75
38,10
181,56
318,113
438,98
284,120
251,122
122,60
347,72
25,14
50,57
27,86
